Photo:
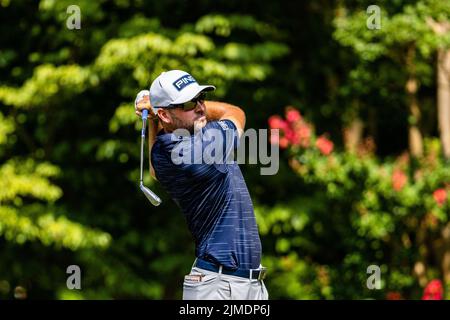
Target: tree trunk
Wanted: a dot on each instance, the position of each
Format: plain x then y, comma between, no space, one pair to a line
443,79
443,97
353,135
441,251
445,263
420,266
415,136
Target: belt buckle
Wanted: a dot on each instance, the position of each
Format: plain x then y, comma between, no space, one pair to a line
261,275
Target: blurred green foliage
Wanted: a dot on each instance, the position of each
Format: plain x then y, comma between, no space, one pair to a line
69,150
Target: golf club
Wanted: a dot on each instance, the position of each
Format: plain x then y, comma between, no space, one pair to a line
151,196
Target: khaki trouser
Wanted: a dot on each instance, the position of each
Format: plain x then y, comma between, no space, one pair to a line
202,284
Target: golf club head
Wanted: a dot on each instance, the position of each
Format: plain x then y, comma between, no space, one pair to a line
151,196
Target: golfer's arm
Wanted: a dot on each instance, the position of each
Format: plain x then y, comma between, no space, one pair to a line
153,127
220,111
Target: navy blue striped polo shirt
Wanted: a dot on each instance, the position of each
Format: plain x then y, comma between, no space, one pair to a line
208,186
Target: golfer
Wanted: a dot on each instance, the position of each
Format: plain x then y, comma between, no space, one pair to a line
212,195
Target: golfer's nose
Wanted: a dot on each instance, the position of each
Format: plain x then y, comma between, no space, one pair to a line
200,108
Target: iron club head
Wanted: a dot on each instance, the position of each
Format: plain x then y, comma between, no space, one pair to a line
151,196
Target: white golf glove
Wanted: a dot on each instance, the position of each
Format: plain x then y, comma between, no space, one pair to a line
142,101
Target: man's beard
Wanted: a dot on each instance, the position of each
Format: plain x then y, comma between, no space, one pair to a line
180,124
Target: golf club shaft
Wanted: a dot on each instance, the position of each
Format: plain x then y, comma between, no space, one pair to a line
144,124
151,196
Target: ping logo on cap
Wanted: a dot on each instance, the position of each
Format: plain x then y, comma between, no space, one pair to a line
184,81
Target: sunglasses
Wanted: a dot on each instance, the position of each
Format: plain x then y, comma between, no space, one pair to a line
190,105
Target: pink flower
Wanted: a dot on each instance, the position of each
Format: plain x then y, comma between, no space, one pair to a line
292,136
292,115
433,290
274,138
304,133
284,143
275,122
440,196
399,180
324,145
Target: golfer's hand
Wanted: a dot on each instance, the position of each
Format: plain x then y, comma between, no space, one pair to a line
143,102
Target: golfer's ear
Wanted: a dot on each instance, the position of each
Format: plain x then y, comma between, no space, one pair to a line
164,115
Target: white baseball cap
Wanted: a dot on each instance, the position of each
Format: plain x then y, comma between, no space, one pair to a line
175,87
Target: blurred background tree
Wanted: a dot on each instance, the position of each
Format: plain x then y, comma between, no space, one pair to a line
69,142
